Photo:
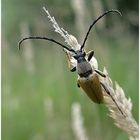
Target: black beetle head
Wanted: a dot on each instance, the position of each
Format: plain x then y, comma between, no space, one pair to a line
80,55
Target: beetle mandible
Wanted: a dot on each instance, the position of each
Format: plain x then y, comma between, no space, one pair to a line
88,74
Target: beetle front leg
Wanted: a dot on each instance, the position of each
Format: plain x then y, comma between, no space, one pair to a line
71,63
73,69
100,73
90,55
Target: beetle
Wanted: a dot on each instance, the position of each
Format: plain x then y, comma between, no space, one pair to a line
88,75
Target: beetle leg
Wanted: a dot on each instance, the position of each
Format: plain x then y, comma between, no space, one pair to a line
100,73
90,54
108,92
78,84
71,62
73,69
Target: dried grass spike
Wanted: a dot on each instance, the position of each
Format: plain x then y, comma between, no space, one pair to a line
127,123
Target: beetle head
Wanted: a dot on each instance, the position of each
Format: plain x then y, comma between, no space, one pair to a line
80,55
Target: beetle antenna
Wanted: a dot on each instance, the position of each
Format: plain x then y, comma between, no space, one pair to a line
116,11
44,38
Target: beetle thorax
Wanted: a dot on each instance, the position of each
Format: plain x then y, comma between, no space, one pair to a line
84,69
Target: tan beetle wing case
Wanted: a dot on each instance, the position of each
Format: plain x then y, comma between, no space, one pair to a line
92,87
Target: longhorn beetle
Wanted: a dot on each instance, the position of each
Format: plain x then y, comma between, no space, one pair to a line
88,76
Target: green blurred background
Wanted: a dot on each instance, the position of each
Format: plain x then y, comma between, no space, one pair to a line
38,90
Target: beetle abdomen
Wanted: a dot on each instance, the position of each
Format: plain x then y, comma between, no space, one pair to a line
91,86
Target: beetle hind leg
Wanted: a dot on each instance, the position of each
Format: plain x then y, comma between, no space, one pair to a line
108,92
